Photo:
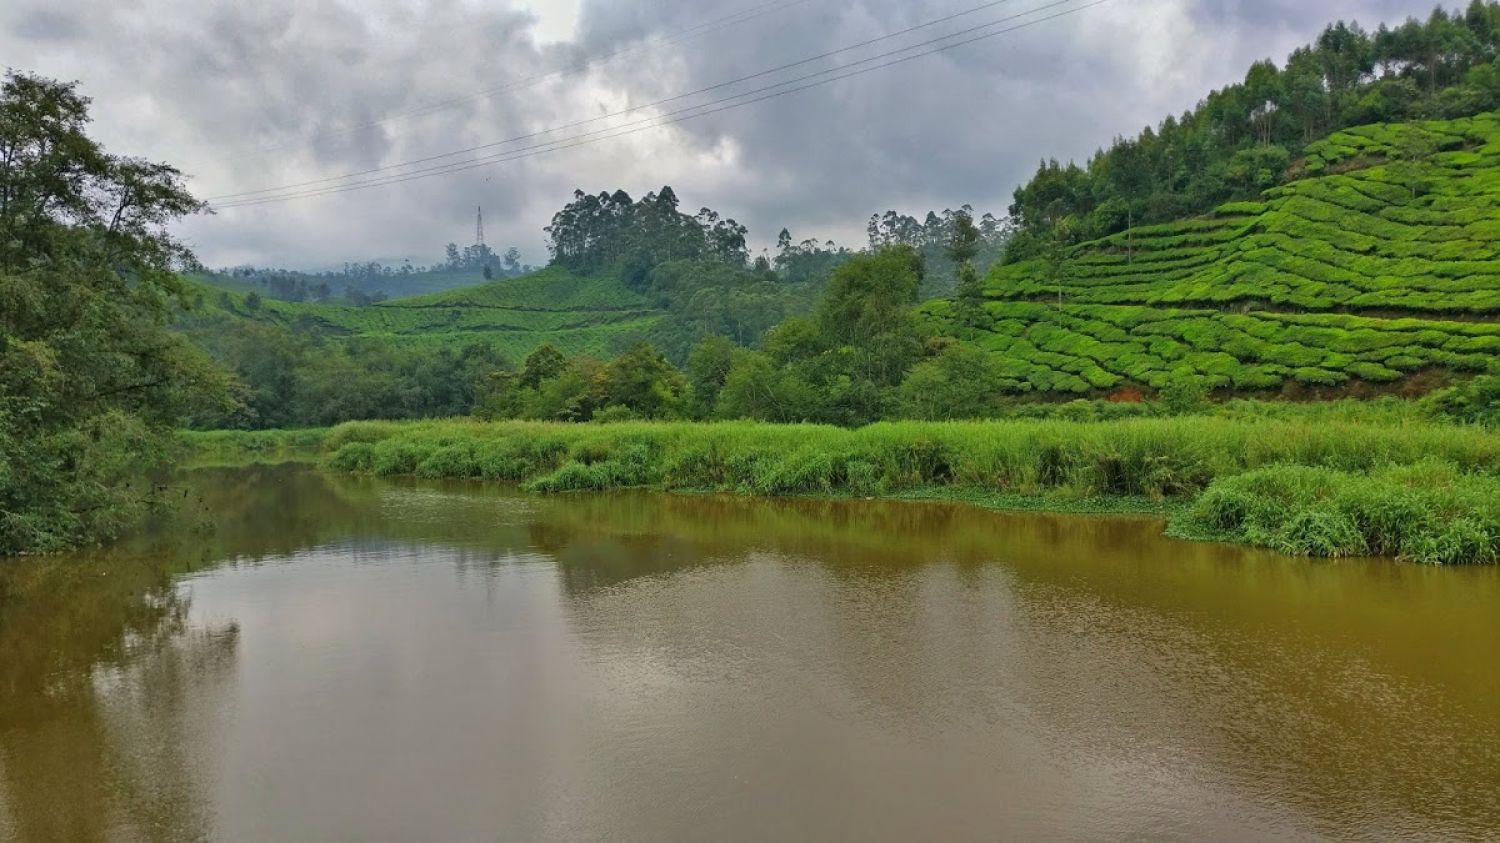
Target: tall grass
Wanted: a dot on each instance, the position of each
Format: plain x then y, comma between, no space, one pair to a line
1164,458
1429,512
198,447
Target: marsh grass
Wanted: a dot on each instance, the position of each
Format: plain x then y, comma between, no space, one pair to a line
1317,488
1429,512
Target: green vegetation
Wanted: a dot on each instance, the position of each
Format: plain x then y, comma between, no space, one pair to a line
1238,471
1321,231
369,283
1243,139
1335,280
91,380
1428,512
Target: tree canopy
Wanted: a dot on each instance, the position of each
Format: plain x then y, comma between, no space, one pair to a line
91,380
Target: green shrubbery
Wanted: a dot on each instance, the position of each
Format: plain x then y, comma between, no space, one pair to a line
1428,512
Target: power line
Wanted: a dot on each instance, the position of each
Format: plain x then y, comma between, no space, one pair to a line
989,4
658,121
578,66
655,122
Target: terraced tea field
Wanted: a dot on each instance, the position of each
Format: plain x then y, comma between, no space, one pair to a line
594,315
1381,259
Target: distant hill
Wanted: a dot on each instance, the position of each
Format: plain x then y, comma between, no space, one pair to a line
576,314
1379,259
279,284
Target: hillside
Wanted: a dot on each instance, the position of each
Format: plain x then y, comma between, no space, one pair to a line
1379,259
513,316
393,285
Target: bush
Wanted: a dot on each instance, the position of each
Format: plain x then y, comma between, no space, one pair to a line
1427,512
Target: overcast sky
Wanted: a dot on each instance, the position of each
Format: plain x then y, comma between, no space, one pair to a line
258,94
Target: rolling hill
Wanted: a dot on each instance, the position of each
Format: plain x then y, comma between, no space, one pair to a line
577,314
1378,259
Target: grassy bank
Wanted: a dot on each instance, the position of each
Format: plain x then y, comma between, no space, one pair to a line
1417,490
205,448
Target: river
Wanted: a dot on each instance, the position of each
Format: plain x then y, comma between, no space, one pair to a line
305,656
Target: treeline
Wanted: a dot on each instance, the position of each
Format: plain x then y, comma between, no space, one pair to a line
482,258
278,377
610,229
1242,139
861,355
932,237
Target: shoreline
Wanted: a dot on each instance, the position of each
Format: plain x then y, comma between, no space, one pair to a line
1426,492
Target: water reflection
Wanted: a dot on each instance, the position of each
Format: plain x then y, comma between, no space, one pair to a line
350,657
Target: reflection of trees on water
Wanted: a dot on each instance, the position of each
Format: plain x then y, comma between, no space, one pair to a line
100,671
906,609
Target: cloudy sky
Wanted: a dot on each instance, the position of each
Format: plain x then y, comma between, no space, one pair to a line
259,95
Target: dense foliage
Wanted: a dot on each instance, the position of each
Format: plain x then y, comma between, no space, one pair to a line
610,229
1240,140
841,364
933,237
91,380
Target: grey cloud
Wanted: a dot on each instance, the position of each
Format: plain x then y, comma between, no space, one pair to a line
47,25
209,86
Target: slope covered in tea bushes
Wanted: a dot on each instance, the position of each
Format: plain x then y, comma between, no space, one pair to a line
1380,258
577,314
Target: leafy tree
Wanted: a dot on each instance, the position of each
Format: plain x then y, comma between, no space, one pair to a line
91,380
643,381
542,364
708,368
961,382
608,229
963,245
757,388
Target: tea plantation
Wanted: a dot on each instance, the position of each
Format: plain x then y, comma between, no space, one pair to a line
1380,258
576,314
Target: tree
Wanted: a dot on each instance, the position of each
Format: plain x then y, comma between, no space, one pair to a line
543,364
91,380
961,382
643,381
1057,241
709,365
963,245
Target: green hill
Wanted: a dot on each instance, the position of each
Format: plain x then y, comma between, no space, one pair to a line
1380,258
576,314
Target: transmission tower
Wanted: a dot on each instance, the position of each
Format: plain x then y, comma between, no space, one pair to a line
479,227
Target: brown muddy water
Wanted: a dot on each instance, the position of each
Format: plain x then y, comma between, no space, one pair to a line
345,659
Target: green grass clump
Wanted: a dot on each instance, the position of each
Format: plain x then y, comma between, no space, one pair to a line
1429,512
1322,485
202,446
